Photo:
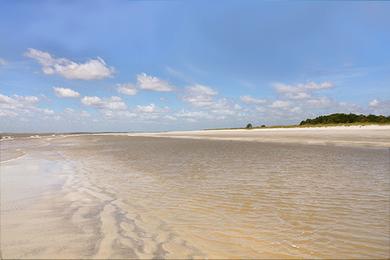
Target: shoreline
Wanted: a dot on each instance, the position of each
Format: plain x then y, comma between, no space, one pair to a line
5,135
353,135
372,135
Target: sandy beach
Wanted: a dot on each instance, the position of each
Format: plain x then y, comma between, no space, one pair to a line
266,193
369,135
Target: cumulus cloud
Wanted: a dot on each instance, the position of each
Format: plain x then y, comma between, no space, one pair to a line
91,101
193,116
65,92
223,107
85,114
296,109
374,103
112,103
204,98
47,111
146,109
205,105
7,113
302,90
286,88
92,69
380,106
151,83
114,108
170,117
26,99
69,110
17,101
200,95
12,106
280,104
252,100
140,113
127,89
321,102
323,85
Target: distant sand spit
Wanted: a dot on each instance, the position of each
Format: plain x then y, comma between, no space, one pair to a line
370,135
355,135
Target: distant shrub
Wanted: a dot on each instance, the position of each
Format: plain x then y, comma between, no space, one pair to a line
262,125
249,126
340,118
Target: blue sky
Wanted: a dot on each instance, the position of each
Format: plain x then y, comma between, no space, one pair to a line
167,65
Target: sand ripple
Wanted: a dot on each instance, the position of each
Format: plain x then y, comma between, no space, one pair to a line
132,197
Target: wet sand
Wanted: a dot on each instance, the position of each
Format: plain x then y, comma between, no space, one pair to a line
115,196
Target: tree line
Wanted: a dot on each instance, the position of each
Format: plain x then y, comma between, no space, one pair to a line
341,118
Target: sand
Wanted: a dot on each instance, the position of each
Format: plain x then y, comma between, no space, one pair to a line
370,135
261,193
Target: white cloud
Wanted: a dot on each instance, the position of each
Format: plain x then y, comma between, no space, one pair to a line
285,88
261,109
47,111
200,95
380,106
193,116
91,101
321,102
7,113
21,106
222,107
374,103
69,110
169,117
150,112
65,92
127,89
345,107
27,99
147,109
17,102
252,100
323,85
295,109
112,103
85,114
92,69
301,91
6,99
298,95
204,98
280,104
147,82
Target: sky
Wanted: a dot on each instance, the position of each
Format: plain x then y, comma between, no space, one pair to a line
182,65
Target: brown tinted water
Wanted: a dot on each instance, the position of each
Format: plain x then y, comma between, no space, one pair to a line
150,197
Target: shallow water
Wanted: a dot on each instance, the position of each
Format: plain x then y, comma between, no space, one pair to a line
176,198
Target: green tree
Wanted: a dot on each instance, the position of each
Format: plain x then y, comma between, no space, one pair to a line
341,118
